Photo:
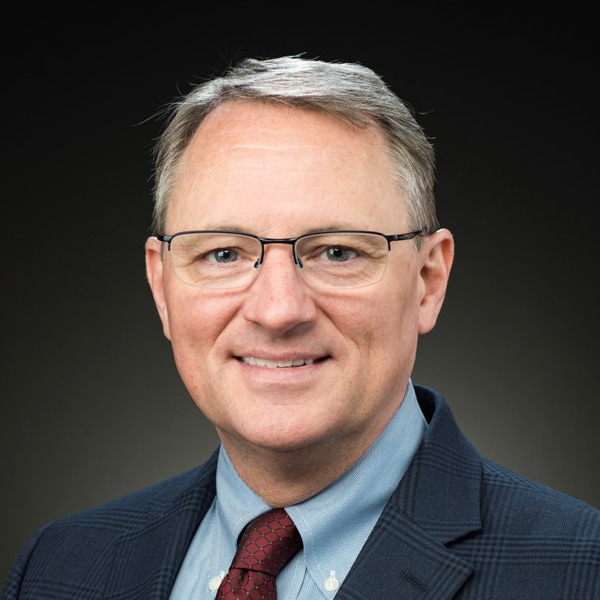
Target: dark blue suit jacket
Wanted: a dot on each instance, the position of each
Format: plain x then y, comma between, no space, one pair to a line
457,526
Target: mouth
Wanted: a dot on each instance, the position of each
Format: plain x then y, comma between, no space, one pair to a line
278,364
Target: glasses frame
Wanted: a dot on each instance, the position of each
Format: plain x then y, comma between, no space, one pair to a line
292,241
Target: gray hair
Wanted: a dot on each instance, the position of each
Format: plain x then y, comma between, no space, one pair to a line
350,92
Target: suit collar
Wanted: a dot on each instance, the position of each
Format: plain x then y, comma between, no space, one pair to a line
442,488
436,503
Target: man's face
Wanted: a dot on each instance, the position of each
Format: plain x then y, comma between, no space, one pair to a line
278,172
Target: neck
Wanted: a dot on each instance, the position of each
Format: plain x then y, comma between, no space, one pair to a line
287,477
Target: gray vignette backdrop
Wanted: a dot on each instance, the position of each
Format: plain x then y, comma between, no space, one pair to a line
92,407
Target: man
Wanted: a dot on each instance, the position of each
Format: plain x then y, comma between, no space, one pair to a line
296,260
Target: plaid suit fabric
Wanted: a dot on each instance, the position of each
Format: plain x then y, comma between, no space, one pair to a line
457,527
460,526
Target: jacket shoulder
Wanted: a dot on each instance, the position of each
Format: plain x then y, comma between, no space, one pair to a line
78,551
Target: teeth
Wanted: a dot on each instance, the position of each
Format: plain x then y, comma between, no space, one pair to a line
278,364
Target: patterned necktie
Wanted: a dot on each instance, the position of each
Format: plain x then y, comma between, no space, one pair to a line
266,545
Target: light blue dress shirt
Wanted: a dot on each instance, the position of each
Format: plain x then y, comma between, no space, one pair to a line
334,524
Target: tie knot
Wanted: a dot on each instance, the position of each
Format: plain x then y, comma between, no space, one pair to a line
268,543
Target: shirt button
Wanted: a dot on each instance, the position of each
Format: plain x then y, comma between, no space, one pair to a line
215,582
331,584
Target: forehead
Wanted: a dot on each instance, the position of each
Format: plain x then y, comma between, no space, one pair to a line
258,164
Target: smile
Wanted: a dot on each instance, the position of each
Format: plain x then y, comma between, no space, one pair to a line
275,364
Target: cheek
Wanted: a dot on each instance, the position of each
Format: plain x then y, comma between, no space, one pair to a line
195,318
373,323
394,317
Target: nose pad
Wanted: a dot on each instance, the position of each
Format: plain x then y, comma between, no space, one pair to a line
278,265
295,258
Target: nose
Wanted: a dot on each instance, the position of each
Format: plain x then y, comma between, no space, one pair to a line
279,298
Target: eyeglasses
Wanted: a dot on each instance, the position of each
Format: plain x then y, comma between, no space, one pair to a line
326,259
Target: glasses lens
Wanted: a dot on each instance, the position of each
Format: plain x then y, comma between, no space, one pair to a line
342,260
214,260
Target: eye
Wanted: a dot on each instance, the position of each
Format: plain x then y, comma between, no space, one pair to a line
338,253
222,255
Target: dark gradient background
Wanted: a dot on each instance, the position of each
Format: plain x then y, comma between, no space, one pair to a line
92,406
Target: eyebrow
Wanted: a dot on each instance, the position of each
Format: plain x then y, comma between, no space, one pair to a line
238,229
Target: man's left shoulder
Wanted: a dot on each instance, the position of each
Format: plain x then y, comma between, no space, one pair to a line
534,509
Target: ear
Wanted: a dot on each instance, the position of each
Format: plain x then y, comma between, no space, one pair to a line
154,273
437,254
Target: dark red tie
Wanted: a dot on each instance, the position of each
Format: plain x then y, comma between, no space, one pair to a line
266,545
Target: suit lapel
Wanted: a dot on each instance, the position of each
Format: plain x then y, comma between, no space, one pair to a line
401,560
149,553
406,556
